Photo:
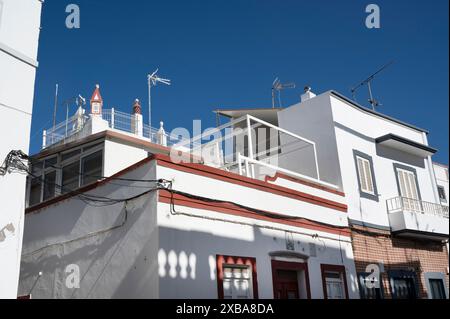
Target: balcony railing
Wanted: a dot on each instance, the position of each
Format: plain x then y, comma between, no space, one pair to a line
405,204
117,120
257,149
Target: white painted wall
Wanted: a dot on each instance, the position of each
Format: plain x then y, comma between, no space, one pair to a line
357,130
184,239
19,33
119,155
441,173
157,254
312,119
338,128
115,247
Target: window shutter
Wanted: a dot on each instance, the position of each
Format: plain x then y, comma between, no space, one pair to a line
368,176
362,177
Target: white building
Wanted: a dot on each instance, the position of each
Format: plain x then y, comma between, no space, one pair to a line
19,34
230,221
441,172
384,166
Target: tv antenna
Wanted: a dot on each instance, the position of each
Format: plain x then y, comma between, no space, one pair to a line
153,80
373,102
277,87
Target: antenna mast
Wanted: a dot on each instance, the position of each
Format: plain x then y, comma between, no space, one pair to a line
373,102
54,110
277,86
153,79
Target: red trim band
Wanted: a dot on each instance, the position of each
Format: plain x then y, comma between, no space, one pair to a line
227,208
300,181
210,172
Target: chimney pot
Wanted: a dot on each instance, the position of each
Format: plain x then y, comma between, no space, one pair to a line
307,95
137,107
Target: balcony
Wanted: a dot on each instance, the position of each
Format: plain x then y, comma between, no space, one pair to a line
414,218
256,149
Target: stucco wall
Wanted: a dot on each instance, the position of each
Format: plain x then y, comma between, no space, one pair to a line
312,119
113,246
19,32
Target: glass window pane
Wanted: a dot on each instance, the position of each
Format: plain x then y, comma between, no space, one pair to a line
35,191
437,289
91,168
36,168
87,148
49,185
49,162
70,177
69,155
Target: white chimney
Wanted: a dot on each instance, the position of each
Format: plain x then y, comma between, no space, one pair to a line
307,95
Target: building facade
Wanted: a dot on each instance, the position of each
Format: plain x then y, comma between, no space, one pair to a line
19,34
118,211
394,195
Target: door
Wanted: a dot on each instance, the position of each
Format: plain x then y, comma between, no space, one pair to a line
408,190
286,285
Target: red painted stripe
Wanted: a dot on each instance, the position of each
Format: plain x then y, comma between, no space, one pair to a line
230,209
211,172
299,181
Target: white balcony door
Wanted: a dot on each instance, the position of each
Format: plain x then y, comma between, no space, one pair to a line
408,190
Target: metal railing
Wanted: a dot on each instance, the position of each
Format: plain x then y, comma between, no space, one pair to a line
405,204
64,130
116,120
255,148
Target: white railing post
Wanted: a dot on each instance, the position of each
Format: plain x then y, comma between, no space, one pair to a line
247,168
250,145
239,163
44,139
317,162
112,118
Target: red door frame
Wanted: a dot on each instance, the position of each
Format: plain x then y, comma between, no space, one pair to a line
222,260
286,265
333,268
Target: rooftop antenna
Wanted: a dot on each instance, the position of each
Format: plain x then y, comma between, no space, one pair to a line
153,79
373,102
54,110
277,86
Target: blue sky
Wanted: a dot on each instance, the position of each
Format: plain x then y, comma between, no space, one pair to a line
227,53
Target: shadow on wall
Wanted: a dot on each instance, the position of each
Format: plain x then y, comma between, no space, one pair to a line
399,156
96,254
138,260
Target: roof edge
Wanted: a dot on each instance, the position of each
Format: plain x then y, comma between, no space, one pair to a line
365,109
